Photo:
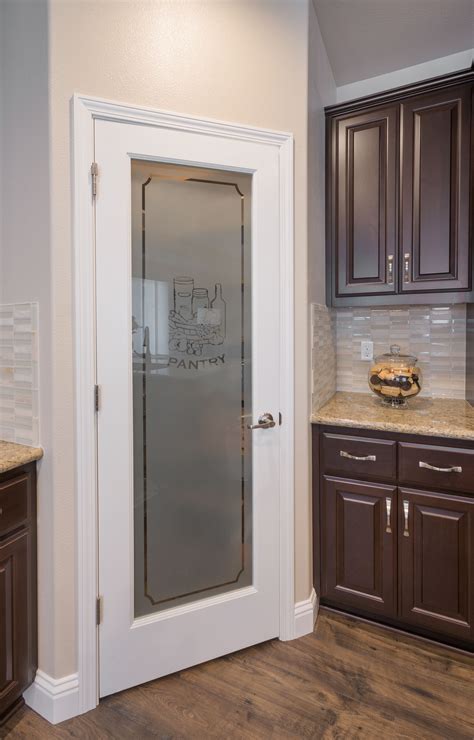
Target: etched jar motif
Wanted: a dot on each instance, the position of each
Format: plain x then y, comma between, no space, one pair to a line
200,300
183,296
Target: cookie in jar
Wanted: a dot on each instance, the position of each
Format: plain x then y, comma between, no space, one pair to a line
395,377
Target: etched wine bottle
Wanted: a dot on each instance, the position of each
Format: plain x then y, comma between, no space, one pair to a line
218,304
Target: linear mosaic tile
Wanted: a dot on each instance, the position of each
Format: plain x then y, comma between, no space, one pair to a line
323,355
19,373
434,334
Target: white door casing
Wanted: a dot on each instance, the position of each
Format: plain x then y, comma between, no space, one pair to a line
206,143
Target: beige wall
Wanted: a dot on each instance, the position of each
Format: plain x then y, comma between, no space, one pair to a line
26,261
237,60
242,61
321,92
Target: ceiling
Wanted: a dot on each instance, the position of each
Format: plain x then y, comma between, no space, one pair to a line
365,38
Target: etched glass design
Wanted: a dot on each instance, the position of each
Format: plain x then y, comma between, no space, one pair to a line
191,357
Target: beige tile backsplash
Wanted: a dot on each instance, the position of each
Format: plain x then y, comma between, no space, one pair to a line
434,334
324,367
19,373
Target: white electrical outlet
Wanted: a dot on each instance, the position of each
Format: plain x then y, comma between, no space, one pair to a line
367,350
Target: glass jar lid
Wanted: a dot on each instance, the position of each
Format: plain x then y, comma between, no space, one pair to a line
395,357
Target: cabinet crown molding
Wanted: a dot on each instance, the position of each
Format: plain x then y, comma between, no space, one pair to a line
397,94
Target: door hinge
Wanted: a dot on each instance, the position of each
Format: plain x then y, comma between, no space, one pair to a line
280,418
98,610
96,397
94,176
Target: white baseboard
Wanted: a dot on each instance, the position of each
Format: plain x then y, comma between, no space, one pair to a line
55,699
305,615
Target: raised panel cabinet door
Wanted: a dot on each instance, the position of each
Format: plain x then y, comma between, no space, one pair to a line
435,191
359,535
364,202
14,632
436,543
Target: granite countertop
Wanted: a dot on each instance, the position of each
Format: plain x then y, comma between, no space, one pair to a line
438,417
13,455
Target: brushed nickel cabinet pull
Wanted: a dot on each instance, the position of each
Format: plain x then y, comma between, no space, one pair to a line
452,469
388,506
365,458
406,267
406,511
390,269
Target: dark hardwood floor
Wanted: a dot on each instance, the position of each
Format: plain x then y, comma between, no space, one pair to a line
348,679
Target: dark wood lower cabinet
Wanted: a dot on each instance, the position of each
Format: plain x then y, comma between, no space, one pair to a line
401,555
14,622
18,622
437,562
359,544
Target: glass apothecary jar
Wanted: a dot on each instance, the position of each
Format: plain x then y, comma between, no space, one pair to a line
395,377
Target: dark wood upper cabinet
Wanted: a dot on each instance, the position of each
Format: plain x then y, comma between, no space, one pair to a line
436,536
400,195
435,191
365,202
359,535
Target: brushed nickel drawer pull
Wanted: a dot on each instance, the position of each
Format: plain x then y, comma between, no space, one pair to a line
364,458
406,511
388,505
406,267
390,269
452,469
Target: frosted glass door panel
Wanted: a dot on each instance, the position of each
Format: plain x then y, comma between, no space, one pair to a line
191,339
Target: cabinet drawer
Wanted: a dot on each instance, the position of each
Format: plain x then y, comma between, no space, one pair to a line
13,504
371,458
450,468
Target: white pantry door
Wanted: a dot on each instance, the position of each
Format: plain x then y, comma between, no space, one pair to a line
188,307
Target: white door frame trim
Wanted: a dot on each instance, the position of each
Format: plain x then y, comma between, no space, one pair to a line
85,109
